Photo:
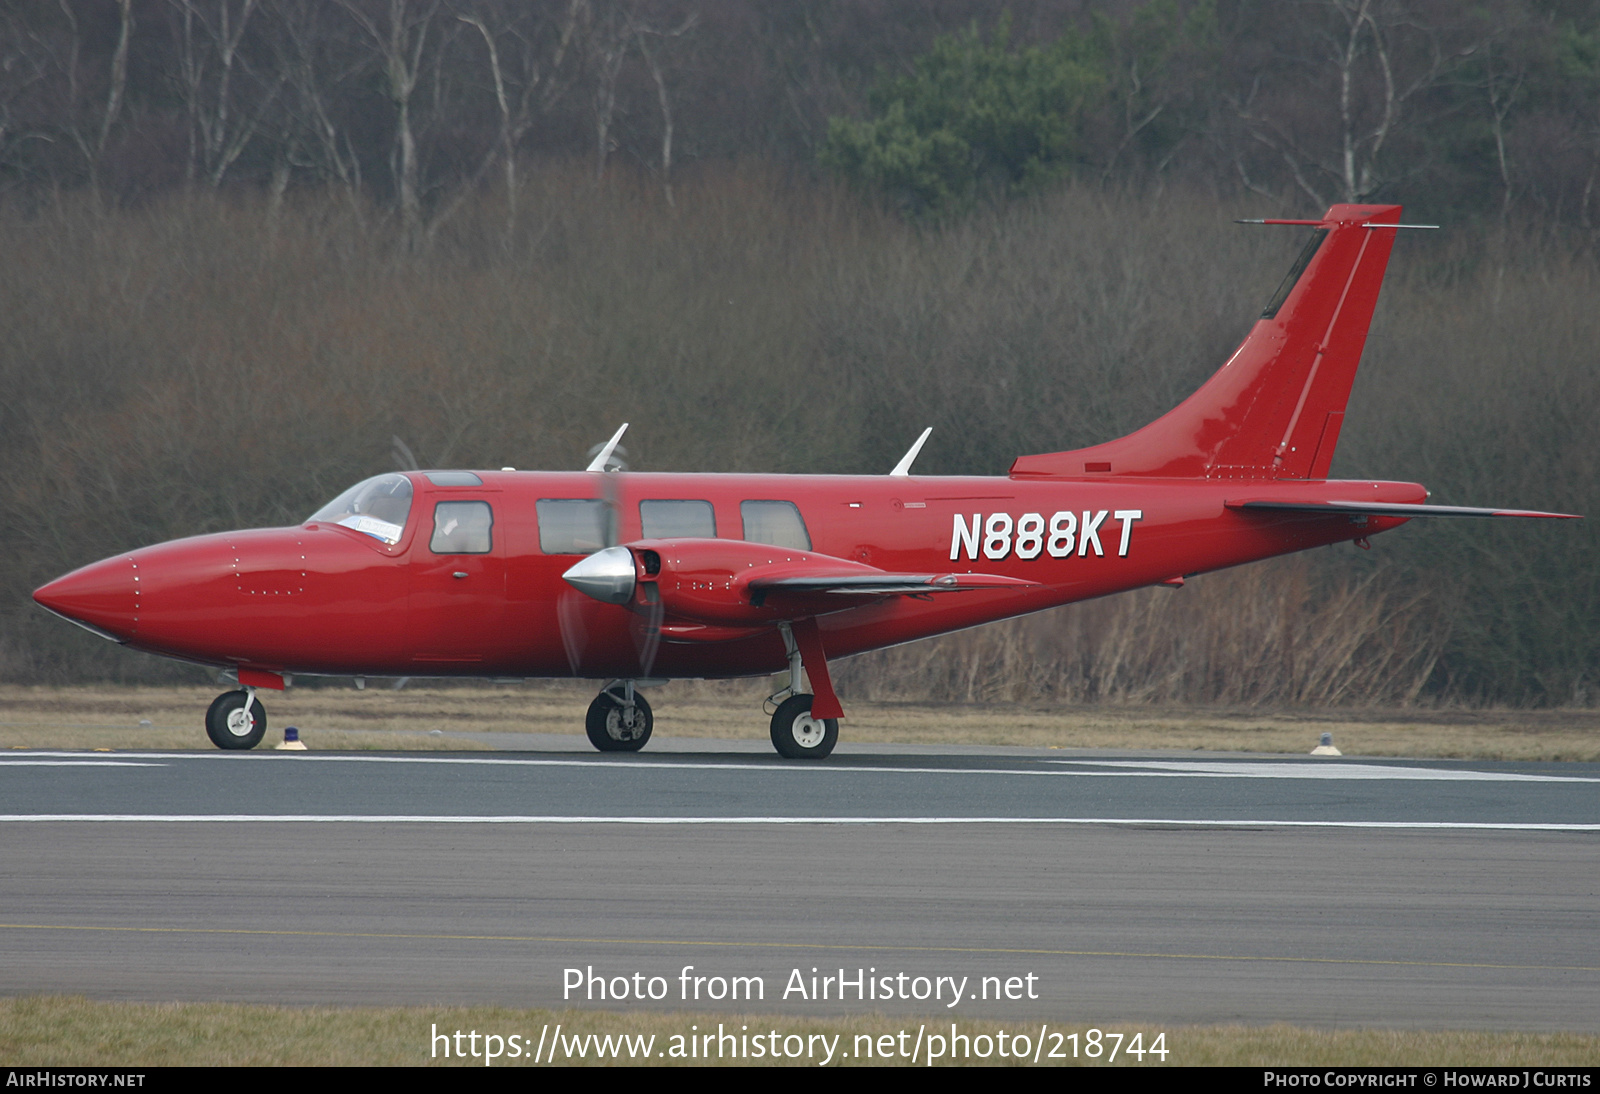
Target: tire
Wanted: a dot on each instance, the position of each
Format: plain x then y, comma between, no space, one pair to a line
604,723
226,722
798,736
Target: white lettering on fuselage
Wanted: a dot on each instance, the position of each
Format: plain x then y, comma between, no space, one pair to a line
999,534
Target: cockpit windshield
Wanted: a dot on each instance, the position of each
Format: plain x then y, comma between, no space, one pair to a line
378,507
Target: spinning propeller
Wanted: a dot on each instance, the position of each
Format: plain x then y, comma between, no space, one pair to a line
574,610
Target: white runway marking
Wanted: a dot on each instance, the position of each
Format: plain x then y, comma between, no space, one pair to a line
1153,769
78,763
355,818
1321,769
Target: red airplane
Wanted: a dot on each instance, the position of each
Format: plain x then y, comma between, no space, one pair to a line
636,578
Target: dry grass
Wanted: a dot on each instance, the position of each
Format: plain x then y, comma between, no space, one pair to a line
62,1031
1277,633
380,718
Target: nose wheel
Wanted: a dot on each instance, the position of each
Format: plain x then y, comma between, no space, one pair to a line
616,724
236,720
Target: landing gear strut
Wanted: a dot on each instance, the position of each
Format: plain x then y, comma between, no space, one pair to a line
805,727
236,720
619,719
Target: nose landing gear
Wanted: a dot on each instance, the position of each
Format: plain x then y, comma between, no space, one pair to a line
236,720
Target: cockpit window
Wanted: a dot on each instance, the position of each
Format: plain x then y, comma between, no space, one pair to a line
378,507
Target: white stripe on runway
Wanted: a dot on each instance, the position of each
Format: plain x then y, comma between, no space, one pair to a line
1152,769
78,763
1321,769
354,818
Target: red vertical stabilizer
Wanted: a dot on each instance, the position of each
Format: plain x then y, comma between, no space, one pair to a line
1275,409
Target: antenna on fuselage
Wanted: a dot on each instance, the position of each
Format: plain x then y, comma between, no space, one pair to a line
903,468
600,460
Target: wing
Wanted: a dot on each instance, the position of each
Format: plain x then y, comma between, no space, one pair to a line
881,583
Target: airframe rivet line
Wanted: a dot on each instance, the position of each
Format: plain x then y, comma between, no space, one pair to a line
400,936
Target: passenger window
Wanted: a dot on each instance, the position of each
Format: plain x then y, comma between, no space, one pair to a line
774,522
461,528
575,526
677,520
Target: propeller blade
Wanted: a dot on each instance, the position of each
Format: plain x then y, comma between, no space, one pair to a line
401,454
570,608
647,636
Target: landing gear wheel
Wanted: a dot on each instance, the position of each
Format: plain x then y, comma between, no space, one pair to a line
229,726
609,727
798,736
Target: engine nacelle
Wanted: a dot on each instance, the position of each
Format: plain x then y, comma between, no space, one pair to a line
710,580
707,580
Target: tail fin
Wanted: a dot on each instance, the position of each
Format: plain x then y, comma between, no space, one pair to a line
1275,409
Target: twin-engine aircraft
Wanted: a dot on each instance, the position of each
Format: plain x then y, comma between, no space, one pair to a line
636,578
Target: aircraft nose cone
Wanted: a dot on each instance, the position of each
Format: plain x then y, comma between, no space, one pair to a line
605,575
103,597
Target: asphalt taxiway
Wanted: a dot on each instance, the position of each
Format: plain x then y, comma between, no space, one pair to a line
1157,888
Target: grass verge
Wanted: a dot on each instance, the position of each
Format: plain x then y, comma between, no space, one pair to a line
41,1031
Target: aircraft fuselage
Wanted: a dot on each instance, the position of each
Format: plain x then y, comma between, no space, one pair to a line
323,598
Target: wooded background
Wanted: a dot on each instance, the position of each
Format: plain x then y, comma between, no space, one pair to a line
247,241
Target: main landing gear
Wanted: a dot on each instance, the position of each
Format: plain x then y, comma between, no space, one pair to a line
619,719
797,735
805,726
236,719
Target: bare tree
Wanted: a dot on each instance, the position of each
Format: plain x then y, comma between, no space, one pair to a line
400,35
610,37
24,72
614,30
209,58
643,33
91,139
315,72
1370,61
1155,62
526,83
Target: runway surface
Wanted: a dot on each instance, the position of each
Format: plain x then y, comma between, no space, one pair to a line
1155,888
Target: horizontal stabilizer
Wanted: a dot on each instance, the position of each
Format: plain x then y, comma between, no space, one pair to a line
1386,509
